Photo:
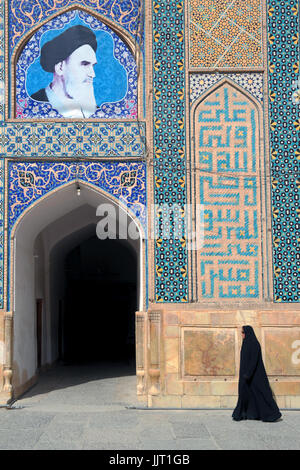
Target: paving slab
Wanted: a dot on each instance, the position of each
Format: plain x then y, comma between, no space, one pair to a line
92,407
18,439
196,444
185,430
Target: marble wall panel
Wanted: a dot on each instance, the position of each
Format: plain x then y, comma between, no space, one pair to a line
282,351
208,352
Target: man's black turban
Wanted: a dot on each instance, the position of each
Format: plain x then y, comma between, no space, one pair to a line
59,48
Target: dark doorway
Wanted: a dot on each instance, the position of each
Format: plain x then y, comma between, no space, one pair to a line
98,314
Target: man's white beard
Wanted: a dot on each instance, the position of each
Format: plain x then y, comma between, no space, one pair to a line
82,98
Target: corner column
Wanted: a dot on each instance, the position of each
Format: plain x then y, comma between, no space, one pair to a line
140,352
8,337
154,354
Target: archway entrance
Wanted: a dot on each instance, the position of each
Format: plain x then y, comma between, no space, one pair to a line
75,296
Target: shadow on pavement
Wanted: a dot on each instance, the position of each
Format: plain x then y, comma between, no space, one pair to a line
106,379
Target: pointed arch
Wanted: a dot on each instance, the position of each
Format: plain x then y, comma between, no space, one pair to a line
83,182
232,83
230,182
133,46
43,200
119,30
59,214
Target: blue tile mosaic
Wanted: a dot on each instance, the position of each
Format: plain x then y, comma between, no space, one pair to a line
24,14
114,86
252,82
171,283
228,186
64,139
28,182
284,115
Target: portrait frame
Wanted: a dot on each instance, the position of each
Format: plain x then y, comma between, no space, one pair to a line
11,64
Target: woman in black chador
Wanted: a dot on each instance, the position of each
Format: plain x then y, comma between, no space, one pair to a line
255,395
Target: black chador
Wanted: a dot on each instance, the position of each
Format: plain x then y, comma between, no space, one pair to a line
255,395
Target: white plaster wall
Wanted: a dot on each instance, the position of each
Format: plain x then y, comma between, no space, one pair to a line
24,353
39,260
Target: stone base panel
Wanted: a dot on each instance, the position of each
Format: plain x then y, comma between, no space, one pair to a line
213,402
190,358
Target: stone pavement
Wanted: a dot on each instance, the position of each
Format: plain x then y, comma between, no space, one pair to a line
86,407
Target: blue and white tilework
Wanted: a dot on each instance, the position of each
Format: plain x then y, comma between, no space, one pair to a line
284,116
201,82
227,157
171,282
29,182
115,92
105,139
24,14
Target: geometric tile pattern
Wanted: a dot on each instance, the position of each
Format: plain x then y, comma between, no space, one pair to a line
95,139
225,33
252,82
24,15
284,117
171,279
227,154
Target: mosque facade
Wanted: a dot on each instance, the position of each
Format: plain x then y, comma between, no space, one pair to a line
188,147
